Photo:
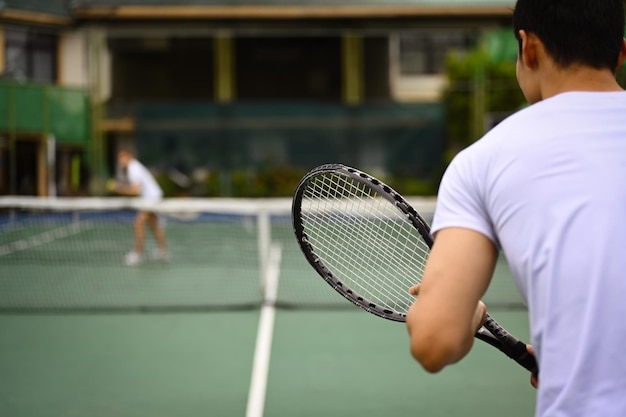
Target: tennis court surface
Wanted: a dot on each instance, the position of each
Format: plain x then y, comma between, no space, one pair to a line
235,324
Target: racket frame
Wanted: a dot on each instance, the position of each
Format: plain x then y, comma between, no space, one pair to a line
491,332
381,189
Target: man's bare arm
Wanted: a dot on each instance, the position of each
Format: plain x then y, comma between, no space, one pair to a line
445,316
130,189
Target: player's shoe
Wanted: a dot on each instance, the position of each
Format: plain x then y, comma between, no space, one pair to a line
160,255
133,259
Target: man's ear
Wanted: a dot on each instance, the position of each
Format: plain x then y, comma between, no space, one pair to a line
529,49
622,55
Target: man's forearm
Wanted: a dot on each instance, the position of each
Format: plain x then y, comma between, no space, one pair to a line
129,190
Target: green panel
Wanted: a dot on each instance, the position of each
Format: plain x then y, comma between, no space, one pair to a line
28,101
69,115
43,109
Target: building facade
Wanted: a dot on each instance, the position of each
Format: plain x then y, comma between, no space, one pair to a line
231,97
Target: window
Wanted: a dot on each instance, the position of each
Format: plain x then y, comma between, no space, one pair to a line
288,68
168,68
30,55
417,61
426,53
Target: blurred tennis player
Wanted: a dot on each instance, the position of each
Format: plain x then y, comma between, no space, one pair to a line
546,186
141,183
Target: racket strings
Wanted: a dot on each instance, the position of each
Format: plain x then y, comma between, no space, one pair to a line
383,234
360,236
361,266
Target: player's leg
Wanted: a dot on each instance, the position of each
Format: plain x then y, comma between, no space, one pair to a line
135,257
159,234
140,226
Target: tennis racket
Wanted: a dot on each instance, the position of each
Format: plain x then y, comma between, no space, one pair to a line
370,245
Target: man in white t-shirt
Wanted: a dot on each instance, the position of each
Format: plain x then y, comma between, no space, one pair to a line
141,183
545,186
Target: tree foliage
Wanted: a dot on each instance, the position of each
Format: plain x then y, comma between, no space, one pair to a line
480,91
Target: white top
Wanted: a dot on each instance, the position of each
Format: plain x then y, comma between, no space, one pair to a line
548,186
139,175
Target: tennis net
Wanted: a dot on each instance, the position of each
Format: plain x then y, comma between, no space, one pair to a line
67,255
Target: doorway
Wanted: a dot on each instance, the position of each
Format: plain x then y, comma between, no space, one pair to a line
27,175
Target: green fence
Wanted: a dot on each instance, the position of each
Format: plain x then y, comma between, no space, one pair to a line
242,142
38,109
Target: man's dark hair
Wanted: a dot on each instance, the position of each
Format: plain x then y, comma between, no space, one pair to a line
587,32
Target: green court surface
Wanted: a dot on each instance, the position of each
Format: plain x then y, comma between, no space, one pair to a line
343,363
82,335
119,365
354,364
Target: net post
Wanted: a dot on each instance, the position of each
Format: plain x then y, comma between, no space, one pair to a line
51,165
264,244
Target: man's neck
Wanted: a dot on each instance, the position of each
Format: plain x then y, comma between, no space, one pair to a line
578,78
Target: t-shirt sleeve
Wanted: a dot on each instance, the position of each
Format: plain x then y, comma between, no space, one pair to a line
460,200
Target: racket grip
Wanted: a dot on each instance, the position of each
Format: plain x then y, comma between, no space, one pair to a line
512,347
519,353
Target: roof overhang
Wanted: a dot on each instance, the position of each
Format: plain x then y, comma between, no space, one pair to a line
30,17
210,12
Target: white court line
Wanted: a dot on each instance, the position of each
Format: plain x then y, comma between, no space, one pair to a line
262,351
43,238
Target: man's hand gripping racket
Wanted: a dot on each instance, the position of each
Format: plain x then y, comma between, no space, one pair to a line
371,246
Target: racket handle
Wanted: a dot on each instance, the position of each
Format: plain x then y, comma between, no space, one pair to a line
512,347
519,353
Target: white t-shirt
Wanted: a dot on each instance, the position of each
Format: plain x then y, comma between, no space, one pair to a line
548,186
139,174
